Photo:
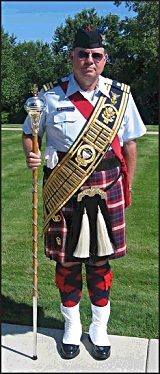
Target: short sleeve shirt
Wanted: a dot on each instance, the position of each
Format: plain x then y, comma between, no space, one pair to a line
62,121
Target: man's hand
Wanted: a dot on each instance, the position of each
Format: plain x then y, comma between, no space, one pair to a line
33,160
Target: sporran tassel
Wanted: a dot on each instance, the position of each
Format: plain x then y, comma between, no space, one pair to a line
82,248
104,244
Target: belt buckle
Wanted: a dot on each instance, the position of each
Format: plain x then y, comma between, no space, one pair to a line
91,192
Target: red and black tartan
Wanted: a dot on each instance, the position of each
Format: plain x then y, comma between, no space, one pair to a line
55,240
69,282
99,282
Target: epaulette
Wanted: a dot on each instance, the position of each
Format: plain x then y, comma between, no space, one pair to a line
121,86
50,85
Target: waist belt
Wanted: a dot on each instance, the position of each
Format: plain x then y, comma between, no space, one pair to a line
107,164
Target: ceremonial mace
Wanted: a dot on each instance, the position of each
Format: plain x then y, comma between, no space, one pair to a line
34,107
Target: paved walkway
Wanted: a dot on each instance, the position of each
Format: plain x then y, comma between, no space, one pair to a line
128,355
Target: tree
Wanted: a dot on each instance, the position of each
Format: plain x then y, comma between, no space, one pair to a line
131,43
23,64
143,34
10,85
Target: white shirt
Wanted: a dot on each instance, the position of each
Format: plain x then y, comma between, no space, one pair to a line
62,127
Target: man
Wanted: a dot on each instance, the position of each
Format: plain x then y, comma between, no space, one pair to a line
87,184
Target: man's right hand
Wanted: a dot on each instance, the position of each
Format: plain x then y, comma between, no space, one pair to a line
33,160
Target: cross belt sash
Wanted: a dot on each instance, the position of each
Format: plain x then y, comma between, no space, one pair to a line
96,137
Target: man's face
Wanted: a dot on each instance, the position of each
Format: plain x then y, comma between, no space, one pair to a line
88,62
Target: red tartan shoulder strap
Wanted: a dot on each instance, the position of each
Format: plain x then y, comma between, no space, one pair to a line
118,152
117,148
79,101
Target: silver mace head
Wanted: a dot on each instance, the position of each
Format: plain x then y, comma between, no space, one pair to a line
34,107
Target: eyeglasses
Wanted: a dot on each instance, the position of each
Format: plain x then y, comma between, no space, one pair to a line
82,55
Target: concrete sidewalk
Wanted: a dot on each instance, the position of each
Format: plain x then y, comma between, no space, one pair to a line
129,355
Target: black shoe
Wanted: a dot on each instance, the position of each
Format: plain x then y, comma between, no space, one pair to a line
69,350
100,352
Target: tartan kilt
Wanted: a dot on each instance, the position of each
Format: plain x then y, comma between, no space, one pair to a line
55,239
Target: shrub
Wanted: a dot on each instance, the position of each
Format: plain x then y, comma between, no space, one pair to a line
5,118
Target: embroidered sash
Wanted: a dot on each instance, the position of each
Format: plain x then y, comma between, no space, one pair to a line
86,108
96,136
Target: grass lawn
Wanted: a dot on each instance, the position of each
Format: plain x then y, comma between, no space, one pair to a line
149,127
134,294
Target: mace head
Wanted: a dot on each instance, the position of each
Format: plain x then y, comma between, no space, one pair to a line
34,103
34,107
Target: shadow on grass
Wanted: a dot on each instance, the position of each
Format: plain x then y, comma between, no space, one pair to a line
22,314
